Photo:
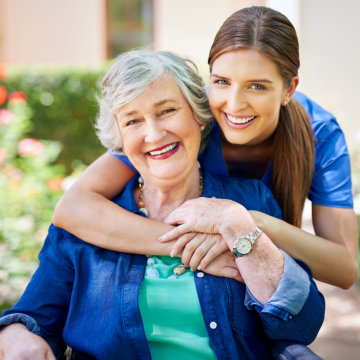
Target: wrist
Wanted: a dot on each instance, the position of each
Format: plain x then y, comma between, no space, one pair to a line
237,223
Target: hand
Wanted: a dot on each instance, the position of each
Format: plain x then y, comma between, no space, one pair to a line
18,343
198,250
211,216
224,266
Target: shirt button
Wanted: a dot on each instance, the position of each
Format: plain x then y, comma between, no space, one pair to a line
200,274
213,325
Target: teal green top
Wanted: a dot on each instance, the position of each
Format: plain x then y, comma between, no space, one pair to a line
171,313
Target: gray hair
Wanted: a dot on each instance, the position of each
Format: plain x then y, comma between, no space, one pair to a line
128,77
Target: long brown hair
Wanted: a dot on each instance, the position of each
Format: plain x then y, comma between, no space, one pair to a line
270,32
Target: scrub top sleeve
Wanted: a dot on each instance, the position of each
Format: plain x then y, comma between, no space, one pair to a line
331,185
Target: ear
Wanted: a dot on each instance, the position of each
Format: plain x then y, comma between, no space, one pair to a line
289,91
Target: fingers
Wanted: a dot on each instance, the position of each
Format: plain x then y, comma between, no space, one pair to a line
175,233
218,248
180,243
196,249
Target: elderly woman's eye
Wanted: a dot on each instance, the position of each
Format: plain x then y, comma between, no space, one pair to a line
168,111
132,122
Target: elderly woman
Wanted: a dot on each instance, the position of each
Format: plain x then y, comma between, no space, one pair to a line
109,305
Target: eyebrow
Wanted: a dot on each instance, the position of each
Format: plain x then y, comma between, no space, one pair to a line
251,80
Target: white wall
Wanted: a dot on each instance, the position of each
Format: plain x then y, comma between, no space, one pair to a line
188,27
330,56
53,31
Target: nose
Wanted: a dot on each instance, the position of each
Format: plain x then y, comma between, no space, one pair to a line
154,131
236,100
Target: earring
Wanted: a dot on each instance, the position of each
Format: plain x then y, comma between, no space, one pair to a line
285,103
202,127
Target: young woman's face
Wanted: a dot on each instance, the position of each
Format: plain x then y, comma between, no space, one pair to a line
245,94
160,134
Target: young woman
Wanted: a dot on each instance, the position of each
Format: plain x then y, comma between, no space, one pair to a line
294,146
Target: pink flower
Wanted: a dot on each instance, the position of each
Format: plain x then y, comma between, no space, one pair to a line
3,94
6,116
17,97
30,147
2,155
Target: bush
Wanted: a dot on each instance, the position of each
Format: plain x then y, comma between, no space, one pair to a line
30,185
63,104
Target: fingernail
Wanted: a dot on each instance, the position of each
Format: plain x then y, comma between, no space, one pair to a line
161,238
199,267
172,253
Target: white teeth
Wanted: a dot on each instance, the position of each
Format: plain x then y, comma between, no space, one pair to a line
164,150
239,120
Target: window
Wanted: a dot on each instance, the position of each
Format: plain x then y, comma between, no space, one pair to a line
129,25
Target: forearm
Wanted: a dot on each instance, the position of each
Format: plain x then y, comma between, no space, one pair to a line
330,261
263,267
101,222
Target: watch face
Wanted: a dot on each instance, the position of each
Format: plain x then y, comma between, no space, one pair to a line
243,246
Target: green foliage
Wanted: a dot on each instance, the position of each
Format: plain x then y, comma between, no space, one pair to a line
30,185
64,107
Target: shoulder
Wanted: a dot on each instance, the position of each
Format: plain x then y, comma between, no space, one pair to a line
324,123
251,193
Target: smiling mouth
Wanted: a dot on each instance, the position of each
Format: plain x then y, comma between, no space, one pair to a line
239,120
164,149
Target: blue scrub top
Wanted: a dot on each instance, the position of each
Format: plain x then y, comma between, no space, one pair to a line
331,184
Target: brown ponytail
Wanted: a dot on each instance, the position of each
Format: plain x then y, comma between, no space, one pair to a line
270,32
292,161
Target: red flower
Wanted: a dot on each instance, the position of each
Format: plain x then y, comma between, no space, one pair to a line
30,147
3,70
6,116
17,97
3,94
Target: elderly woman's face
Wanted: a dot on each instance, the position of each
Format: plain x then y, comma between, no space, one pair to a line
160,134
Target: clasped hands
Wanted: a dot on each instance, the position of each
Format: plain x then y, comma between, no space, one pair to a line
205,232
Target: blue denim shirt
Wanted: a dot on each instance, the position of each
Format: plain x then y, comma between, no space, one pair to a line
89,295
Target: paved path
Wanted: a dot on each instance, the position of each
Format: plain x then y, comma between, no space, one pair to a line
339,337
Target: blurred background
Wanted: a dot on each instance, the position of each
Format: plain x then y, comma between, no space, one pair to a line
53,55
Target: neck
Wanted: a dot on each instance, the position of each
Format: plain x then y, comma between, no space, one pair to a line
261,152
160,199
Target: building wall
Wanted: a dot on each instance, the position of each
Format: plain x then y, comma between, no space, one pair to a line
52,31
188,27
330,56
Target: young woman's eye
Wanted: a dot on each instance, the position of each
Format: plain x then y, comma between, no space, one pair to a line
257,87
221,82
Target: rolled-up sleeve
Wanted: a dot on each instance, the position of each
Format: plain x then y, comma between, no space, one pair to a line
290,295
24,319
295,304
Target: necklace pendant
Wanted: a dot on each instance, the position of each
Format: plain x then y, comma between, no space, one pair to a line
179,270
144,210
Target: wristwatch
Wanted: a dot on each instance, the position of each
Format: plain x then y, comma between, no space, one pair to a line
245,244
